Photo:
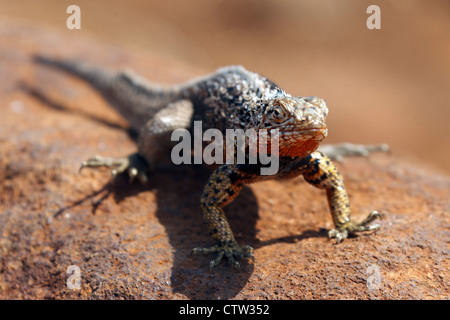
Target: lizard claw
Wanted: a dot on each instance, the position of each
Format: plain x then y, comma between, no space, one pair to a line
352,227
134,165
230,251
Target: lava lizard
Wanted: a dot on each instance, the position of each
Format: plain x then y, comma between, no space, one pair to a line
230,98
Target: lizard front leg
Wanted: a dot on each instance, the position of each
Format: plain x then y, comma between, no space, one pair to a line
223,187
321,172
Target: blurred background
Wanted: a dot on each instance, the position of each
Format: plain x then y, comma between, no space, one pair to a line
382,86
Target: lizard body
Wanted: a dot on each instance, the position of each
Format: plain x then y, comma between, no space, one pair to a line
230,98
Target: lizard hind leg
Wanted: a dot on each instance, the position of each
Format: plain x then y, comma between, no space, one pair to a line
153,141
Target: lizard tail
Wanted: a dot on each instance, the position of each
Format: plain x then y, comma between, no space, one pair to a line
133,97
99,78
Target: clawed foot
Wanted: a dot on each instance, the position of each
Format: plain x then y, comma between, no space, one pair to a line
351,227
230,251
134,165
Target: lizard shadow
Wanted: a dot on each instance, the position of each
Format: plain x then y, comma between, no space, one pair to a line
178,209
57,106
178,190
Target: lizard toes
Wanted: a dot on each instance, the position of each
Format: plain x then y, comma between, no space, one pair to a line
134,165
231,252
339,235
352,227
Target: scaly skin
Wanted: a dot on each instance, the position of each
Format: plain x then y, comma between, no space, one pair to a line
230,98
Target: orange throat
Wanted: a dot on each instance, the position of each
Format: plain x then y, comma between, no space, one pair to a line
303,148
300,150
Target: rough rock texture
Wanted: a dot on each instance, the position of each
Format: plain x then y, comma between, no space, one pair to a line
133,242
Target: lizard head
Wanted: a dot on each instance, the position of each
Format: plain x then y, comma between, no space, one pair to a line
300,121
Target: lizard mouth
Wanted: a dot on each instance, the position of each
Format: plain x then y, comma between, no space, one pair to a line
321,133
314,130
307,134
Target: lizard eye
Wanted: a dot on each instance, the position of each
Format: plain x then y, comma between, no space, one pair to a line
279,114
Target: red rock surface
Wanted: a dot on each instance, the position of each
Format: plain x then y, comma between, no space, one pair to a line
133,242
